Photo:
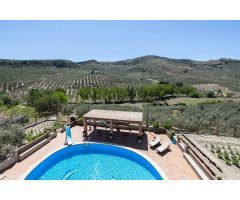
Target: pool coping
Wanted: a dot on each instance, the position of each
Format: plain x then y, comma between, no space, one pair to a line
154,164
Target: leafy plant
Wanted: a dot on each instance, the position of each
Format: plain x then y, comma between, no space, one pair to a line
226,155
31,136
228,162
220,155
212,146
11,137
218,149
212,150
57,125
156,124
167,125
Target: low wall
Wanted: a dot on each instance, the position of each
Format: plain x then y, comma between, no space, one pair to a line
31,144
7,163
201,168
27,150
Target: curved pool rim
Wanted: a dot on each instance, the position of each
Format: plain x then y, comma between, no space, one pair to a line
154,164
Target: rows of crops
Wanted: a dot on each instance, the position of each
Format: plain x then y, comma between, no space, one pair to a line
20,88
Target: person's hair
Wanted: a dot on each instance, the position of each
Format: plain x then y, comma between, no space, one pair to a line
72,119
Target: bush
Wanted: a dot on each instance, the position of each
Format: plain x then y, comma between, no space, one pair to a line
172,134
230,94
24,119
220,155
57,125
218,149
234,157
210,94
167,125
195,94
156,124
228,162
212,150
11,137
236,162
226,155
232,152
31,136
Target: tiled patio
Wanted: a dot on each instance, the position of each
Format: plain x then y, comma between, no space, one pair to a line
172,162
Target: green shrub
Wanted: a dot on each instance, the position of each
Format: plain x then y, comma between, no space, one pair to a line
228,162
156,124
234,157
226,155
231,152
167,125
236,162
11,137
230,94
220,155
31,136
195,94
57,125
210,94
24,119
218,149
212,150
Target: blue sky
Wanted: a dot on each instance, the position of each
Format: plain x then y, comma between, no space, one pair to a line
117,40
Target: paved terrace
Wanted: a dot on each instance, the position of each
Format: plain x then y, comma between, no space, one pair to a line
172,162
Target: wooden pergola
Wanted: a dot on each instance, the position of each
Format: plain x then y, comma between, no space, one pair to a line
114,117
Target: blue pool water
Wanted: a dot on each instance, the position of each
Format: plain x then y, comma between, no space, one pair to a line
94,162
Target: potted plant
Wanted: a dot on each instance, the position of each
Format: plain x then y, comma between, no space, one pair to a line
139,138
156,127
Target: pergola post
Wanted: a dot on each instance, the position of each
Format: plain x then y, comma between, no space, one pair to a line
85,126
116,125
111,126
94,124
140,128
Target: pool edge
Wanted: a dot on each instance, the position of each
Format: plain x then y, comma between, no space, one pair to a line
153,163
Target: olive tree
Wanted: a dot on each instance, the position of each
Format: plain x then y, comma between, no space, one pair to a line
11,137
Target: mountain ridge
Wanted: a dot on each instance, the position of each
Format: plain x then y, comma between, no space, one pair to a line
61,63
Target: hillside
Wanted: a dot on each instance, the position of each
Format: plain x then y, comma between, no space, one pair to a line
16,76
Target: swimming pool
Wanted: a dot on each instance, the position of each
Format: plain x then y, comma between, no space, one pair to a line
96,161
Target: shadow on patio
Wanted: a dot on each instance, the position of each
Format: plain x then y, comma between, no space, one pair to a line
124,138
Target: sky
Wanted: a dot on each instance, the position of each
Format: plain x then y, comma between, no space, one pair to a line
119,40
